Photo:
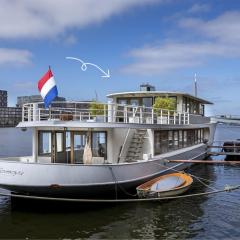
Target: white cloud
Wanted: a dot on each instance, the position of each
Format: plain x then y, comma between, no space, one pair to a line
50,18
199,8
70,40
15,56
28,19
221,40
225,28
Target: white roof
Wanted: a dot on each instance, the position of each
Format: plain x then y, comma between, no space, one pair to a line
155,94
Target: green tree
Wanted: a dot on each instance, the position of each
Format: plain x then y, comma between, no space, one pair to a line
97,108
164,103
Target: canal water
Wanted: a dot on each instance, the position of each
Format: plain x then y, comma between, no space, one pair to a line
206,217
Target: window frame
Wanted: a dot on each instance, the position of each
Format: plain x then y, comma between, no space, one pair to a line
39,140
106,139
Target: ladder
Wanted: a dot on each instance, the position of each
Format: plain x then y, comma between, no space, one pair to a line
136,145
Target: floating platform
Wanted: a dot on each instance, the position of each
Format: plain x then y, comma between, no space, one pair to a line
229,148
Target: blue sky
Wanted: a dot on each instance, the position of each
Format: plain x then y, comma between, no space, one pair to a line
162,42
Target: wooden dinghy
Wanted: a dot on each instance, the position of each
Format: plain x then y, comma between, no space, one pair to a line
168,185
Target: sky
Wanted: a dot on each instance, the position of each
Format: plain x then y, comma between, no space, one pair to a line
160,42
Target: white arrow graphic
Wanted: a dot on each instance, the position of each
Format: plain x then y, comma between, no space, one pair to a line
84,66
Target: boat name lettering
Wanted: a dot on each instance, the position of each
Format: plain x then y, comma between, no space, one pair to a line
11,172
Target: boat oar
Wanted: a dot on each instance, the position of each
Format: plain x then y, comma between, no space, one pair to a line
205,161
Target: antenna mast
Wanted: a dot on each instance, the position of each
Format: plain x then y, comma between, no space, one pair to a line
195,85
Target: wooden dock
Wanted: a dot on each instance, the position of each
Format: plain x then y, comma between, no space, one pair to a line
206,162
224,150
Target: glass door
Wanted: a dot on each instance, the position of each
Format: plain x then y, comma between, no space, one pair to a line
67,147
60,153
79,141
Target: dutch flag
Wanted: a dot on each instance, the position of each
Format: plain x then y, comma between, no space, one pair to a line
47,88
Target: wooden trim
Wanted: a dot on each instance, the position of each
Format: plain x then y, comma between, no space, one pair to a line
53,152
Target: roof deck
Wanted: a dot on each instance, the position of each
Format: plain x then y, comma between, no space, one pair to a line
142,94
103,113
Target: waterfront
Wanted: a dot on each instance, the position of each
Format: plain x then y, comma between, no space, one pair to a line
215,216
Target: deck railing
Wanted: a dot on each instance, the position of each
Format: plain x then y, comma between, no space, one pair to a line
108,113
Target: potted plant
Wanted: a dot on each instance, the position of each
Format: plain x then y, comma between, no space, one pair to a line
162,106
97,110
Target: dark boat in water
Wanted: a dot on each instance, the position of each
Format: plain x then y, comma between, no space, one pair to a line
232,147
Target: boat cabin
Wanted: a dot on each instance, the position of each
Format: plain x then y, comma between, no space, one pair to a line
127,129
147,95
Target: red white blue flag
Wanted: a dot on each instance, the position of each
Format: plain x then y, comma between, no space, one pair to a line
47,88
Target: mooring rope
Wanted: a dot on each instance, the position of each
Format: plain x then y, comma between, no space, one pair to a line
114,178
226,189
119,185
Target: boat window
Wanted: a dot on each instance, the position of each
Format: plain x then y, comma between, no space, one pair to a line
44,143
201,110
180,138
161,142
147,102
134,102
185,138
169,140
78,146
99,144
68,141
175,139
59,142
68,146
192,106
122,101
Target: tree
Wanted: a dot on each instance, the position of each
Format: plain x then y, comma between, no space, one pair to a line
164,104
97,108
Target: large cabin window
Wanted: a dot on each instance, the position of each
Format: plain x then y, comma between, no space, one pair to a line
169,140
69,146
99,144
192,106
44,143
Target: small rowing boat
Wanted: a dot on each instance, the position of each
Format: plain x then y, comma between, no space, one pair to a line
168,185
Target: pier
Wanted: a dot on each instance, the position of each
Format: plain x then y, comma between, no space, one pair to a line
227,119
225,147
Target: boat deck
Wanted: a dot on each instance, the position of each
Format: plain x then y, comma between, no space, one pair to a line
104,113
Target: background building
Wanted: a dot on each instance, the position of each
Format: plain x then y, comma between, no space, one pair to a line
33,99
10,116
3,98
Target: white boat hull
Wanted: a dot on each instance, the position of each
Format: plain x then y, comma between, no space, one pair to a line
87,180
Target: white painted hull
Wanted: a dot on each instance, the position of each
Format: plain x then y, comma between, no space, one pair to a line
87,180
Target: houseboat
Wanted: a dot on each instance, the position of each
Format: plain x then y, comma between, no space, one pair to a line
93,150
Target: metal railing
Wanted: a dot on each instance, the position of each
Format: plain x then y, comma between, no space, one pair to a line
108,113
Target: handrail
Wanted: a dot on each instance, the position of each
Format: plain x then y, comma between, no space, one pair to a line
124,143
111,112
